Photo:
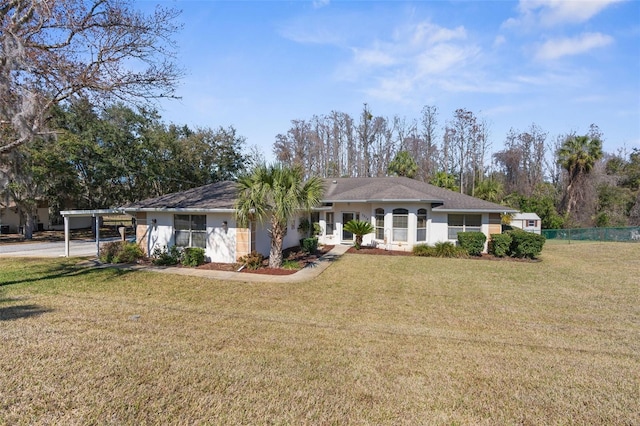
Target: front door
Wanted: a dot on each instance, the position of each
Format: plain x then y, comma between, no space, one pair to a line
346,217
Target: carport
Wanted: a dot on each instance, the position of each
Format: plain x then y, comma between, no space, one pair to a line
97,214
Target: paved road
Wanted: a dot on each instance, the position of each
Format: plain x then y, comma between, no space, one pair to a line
77,248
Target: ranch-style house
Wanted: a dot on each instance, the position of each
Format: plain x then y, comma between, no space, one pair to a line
404,212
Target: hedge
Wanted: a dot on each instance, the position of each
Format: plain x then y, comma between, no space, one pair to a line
472,242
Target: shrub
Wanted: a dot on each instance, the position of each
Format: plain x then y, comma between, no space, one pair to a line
309,245
441,249
525,244
167,257
500,245
472,242
120,252
108,251
252,260
359,228
423,250
290,264
129,253
448,249
193,256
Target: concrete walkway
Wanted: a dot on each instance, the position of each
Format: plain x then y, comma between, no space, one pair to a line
308,273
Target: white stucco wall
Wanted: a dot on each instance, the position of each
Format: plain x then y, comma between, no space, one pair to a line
221,244
437,224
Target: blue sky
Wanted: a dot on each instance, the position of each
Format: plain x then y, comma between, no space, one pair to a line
560,64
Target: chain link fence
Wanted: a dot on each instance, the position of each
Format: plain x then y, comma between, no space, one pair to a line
631,234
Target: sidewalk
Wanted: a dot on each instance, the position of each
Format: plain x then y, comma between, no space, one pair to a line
305,274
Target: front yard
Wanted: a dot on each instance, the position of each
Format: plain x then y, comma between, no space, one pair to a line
372,340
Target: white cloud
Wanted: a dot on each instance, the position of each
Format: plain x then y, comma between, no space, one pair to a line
427,33
373,57
499,41
557,48
548,13
413,58
317,4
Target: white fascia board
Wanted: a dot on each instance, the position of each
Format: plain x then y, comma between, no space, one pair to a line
98,212
505,210
172,210
383,200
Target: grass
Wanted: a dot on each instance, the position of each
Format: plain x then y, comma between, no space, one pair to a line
373,340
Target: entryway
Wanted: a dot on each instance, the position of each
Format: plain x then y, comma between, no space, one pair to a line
346,217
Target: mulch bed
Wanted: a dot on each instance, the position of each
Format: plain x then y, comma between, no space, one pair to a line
293,254
304,259
379,251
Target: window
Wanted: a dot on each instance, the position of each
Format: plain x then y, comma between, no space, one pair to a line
190,230
421,229
315,217
329,226
464,223
531,223
400,224
379,218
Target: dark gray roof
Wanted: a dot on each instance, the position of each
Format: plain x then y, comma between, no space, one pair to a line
222,196
389,189
215,196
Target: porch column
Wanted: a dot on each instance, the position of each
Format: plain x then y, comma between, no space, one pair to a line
97,235
66,236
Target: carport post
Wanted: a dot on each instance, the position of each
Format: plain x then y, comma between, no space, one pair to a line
66,236
98,235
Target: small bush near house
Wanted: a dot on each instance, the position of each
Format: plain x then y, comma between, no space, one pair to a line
441,249
525,244
193,256
120,252
108,251
252,260
167,257
423,250
448,249
472,242
500,244
290,264
309,245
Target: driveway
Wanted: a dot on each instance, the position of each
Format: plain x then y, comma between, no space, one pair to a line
77,248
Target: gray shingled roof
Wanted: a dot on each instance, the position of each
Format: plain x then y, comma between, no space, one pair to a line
222,195
387,189
215,196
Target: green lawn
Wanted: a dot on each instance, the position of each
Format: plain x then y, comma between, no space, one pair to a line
373,340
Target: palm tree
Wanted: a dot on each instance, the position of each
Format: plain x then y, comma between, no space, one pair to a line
359,228
490,190
578,156
403,165
445,180
276,193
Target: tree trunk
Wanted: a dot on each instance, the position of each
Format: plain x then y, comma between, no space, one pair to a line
29,223
278,232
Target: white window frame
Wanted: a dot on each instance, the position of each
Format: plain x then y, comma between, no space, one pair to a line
379,220
421,215
400,233
190,230
453,230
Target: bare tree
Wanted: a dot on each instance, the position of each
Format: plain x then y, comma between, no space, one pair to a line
428,163
523,159
466,138
54,50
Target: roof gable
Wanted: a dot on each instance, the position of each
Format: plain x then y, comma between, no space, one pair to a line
402,189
